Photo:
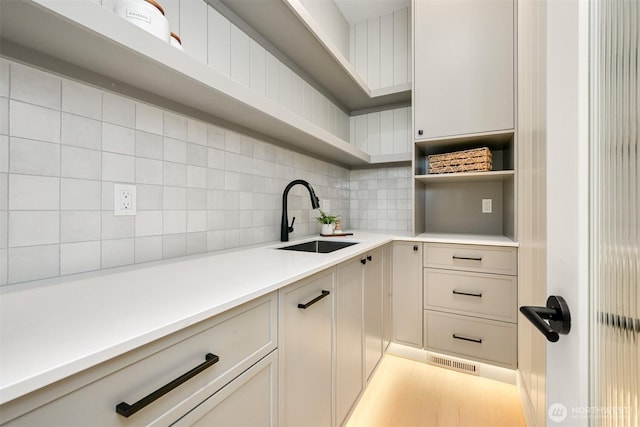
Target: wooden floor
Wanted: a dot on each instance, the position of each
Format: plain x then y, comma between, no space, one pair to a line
408,393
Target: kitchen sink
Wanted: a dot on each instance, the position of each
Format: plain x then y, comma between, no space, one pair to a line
318,246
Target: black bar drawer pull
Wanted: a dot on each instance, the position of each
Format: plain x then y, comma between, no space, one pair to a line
313,301
469,294
127,410
470,258
463,338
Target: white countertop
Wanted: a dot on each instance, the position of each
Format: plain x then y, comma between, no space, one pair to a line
65,325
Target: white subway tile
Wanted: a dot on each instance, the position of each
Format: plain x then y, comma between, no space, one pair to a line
196,132
81,131
175,126
174,150
174,198
231,239
196,177
196,155
81,99
118,110
117,252
4,77
148,145
149,119
33,263
196,243
148,249
29,192
117,227
148,171
4,267
22,117
29,228
35,86
196,221
34,157
4,191
117,167
174,245
215,158
196,198
81,163
215,179
174,222
4,116
118,139
174,174
79,257
215,220
4,229
215,199
215,137
148,223
149,197
215,240
80,226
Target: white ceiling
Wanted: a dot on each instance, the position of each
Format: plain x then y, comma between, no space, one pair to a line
356,11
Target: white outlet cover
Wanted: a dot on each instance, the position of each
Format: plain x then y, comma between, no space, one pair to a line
124,199
326,205
487,205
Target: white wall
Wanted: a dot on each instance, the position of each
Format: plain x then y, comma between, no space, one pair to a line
332,22
382,132
381,49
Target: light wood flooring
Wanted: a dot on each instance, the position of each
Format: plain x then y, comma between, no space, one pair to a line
407,393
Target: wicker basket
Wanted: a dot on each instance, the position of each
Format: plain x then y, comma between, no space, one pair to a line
475,160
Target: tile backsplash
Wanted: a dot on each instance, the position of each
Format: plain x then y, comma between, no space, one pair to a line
200,187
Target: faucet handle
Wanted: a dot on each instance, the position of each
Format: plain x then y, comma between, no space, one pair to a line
290,228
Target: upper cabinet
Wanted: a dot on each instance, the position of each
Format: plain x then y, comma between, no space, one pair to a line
464,67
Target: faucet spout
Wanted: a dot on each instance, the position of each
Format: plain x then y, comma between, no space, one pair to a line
285,229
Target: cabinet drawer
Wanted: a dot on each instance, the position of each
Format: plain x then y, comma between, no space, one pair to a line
492,296
477,339
483,259
239,338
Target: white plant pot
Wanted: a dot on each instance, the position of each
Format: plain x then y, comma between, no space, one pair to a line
327,228
147,15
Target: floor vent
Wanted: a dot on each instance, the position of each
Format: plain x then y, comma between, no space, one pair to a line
456,365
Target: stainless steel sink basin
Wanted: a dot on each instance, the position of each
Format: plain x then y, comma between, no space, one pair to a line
318,246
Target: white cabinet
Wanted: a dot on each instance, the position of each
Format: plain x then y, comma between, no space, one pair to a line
359,326
372,283
306,351
387,324
349,337
464,67
407,293
249,400
238,338
470,302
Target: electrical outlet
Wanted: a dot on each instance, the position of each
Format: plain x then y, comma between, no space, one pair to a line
325,205
487,205
124,199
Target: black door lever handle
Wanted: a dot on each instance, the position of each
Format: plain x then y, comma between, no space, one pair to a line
556,312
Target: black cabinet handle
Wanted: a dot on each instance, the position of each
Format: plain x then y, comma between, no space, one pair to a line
313,301
363,261
127,410
415,248
470,258
556,311
369,257
463,338
420,131
469,294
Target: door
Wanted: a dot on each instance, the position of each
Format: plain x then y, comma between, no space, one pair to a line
372,285
563,199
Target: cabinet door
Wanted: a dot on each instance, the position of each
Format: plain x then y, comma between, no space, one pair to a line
386,297
464,67
372,283
407,293
249,400
349,338
305,352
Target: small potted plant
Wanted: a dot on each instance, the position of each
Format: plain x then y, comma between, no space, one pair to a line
328,222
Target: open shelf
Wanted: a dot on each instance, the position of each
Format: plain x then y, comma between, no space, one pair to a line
86,35
466,176
291,29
